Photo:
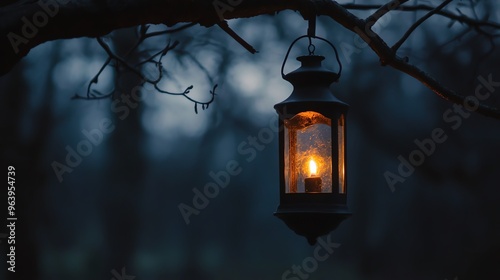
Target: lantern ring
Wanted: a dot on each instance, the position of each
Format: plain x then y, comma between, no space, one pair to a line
315,37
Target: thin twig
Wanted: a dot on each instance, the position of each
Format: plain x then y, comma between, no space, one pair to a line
236,37
422,7
95,80
198,63
417,24
143,35
156,59
119,59
169,31
384,9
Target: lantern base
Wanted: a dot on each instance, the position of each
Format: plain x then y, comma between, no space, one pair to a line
312,224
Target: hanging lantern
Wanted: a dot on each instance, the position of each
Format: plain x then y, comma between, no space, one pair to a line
312,138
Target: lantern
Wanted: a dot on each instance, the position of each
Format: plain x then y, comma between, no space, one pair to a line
312,138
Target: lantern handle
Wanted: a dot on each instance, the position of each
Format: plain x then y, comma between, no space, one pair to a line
310,37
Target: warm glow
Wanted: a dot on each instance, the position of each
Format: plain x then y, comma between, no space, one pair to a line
313,169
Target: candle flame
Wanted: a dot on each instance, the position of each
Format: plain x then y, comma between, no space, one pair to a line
313,169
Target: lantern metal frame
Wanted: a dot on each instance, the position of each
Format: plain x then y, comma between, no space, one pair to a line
313,214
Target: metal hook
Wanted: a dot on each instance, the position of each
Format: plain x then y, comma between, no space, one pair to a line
311,48
311,33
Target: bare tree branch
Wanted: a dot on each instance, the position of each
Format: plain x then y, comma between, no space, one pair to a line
72,20
388,56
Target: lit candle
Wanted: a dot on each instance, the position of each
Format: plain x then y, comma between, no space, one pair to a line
313,182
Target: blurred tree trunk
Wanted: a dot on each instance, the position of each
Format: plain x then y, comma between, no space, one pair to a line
25,151
126,171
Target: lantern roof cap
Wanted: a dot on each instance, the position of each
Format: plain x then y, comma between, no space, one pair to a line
311,88
312,71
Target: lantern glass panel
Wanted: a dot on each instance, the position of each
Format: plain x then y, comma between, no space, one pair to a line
308,153
341,144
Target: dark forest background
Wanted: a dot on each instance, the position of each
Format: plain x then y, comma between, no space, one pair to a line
118,208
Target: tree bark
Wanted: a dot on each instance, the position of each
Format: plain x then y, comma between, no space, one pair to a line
27,24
